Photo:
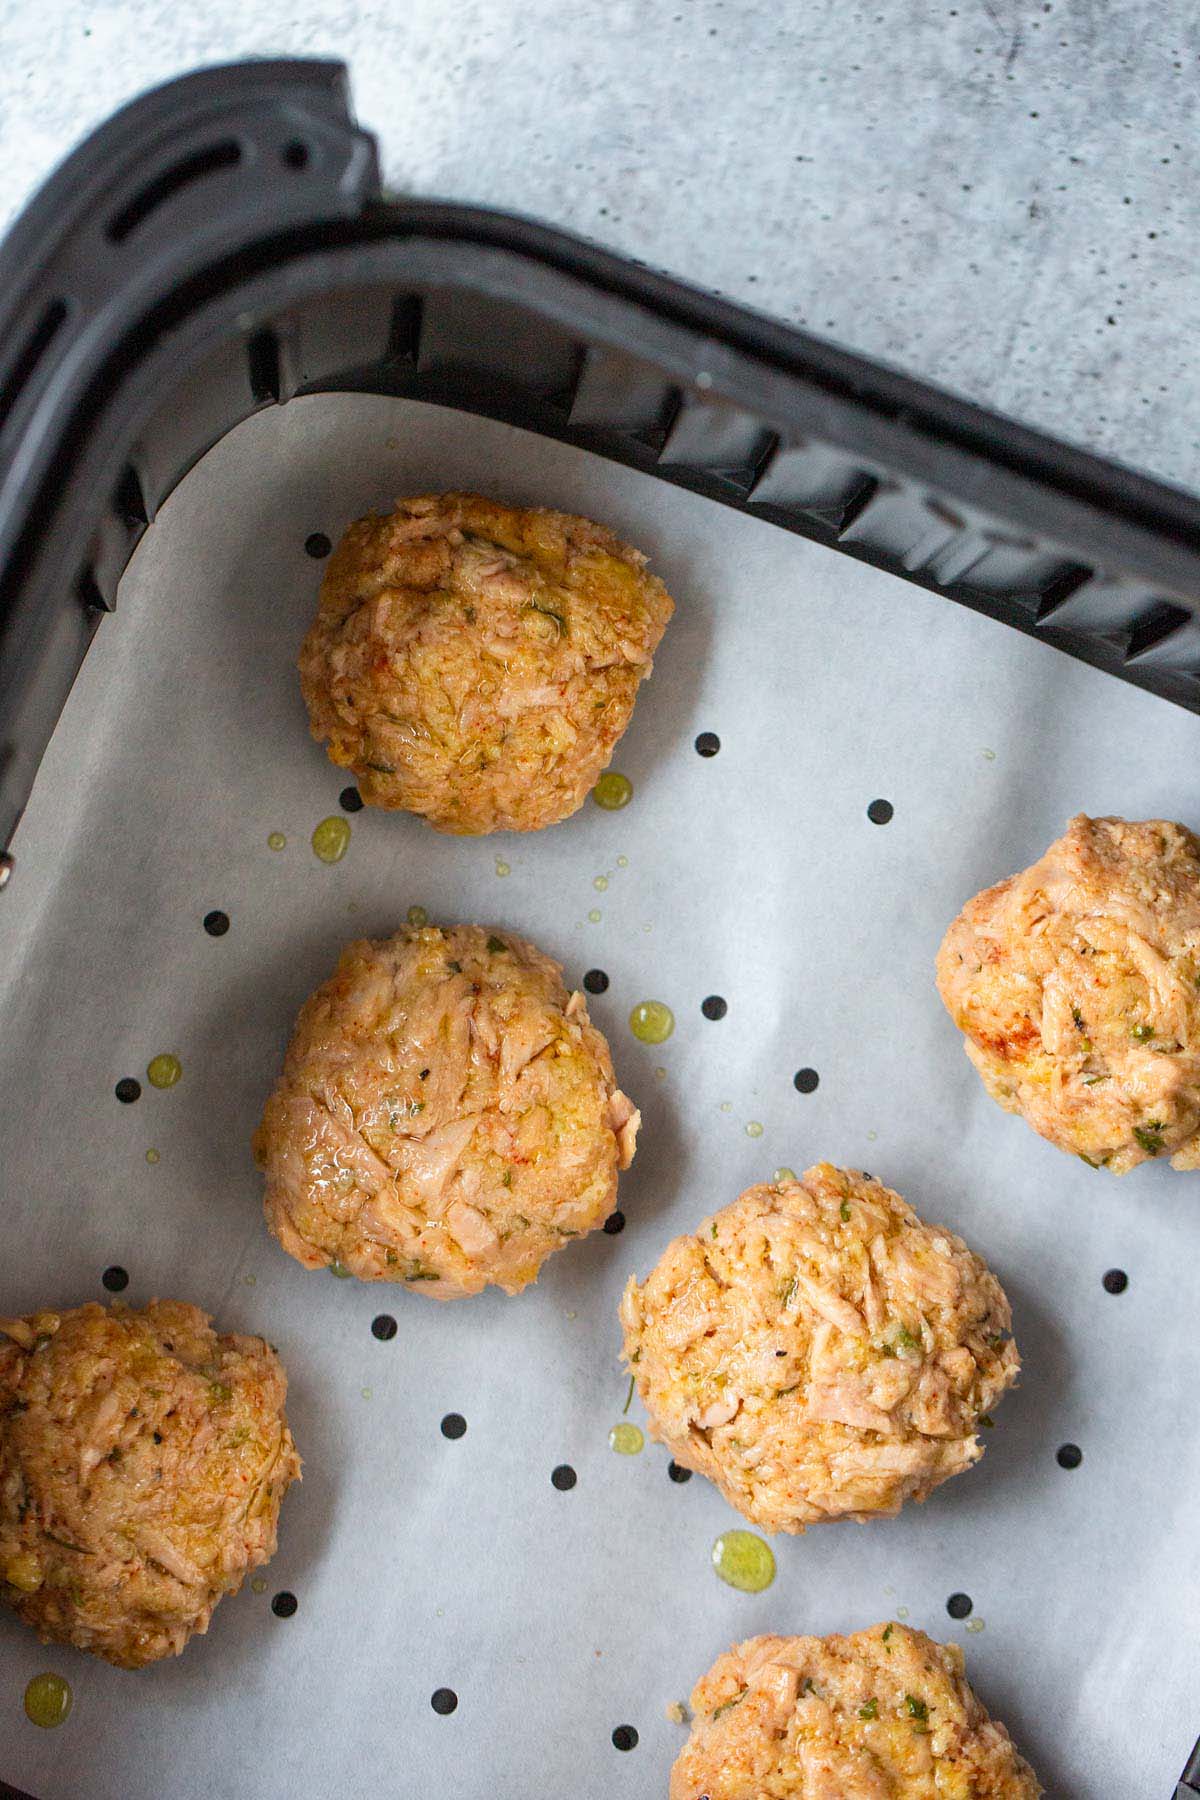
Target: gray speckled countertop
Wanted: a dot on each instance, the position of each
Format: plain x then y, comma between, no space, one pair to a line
1000,195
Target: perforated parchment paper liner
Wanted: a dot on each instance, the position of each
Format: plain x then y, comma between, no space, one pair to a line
419,1561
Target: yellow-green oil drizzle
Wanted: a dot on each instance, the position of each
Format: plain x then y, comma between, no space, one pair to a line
163,1071
276,840
48,1700
744,1561
613,791
626,1438
651,1022
417,916
331,839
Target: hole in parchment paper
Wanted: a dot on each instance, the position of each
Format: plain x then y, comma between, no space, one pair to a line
714,1007
216,923
1069,1456
350,800
317,544
115,1278
625,1737
443,1700
1115,1281
596,981
880,812
284,1604
383,1326
454,1425
708,743
677,1472
615,1223
564,1478
128,1090
806,1081
959,1606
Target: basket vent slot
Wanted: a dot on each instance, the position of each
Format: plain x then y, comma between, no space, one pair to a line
30,355
172,181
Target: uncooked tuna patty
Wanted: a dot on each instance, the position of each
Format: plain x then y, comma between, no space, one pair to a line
143,1460
1077,987
477,663
447,1116
885,1714
818,1351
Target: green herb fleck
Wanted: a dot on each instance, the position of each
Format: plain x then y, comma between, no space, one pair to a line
1141,1032
917,1709
455,967
497,946
870,1710
887,1632
713,1232
987,1421
844,1210
1150,1137
727,1704
382,768
506,1180
422,1275
904,1340
1089,1160
788,1291
1092,1080
1078,1018
628,1397
220,1391
808,1687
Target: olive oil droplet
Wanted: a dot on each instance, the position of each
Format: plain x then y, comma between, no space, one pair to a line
502,868
744,1561
48,1700
626,1439
339,1269
417,916
613,791
784,1175
163,1071
331,839
258,1584
651,1022
754,1128
600,883
152,1157
622,862
595,916
276,840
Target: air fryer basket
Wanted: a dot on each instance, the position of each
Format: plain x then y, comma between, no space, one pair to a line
222,246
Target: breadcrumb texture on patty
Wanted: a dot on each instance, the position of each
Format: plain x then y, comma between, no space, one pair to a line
818,1351
476,663
1076,985
884,1714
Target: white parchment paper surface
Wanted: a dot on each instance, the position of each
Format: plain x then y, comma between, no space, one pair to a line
419,1562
